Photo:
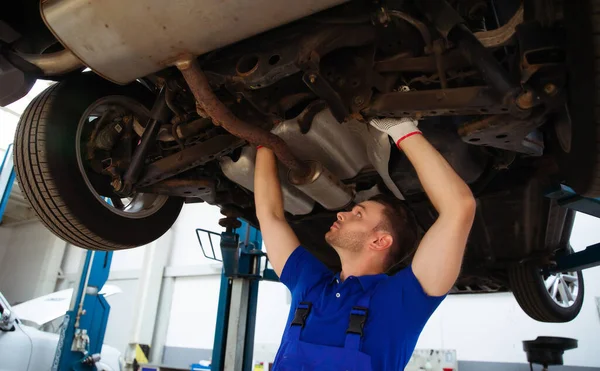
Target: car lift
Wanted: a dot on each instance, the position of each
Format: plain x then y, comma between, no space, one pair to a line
84,325
236,317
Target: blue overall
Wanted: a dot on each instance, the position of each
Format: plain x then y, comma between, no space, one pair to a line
298,355
327,317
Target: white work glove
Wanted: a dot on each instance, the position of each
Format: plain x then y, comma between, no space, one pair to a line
397,128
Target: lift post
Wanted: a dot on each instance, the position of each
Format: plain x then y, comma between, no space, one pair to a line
82,332
241,252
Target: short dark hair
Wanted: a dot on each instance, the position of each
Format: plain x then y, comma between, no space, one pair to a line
401,224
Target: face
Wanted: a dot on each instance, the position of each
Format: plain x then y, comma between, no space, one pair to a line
354,230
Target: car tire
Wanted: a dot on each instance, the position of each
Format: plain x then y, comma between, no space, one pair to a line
528,285
579,125
46,164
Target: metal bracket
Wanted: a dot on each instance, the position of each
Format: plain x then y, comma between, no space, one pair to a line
590,257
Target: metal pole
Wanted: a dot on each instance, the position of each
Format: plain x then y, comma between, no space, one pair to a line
218,354
236,329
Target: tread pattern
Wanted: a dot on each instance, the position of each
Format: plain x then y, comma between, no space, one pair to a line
38,183
530,294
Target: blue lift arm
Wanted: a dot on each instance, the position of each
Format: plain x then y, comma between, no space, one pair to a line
590,257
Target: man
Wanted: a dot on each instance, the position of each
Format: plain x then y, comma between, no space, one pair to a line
360,318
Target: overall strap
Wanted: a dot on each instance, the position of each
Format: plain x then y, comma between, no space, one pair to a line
358,318
300,316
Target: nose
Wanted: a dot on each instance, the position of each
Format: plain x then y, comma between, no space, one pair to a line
340,216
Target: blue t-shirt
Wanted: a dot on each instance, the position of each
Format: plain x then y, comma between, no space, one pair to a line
398,310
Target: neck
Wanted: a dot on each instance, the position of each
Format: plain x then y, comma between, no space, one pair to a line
357,266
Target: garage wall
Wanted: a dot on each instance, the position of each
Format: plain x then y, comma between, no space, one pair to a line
30,259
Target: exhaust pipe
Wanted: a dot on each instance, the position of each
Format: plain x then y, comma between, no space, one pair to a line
309,177
53,64
222,116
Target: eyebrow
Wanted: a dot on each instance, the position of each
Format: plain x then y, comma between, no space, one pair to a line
361,206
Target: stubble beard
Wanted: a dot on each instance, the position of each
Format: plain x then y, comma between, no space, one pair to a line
345,241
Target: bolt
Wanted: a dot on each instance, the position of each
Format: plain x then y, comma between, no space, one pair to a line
525,100
312,78
358,100
550,89
116,184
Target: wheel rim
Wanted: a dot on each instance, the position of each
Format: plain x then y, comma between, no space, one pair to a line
139,205
563,288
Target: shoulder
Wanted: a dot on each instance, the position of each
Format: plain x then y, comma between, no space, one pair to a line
303,269
405,283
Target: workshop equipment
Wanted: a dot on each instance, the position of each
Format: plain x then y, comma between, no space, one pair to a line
547,350
84,325
240,247
7,178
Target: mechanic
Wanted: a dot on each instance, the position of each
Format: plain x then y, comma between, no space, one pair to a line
361,318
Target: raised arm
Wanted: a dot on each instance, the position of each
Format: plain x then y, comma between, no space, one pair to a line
279,238
438,258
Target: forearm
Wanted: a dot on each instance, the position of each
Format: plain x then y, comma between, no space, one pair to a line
445,189
279,238
268,198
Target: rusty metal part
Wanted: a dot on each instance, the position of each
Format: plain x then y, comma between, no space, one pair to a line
505,132
401,63
319,85
305,118
492,72
198,187
420,26
550,89
438,49
349,73
503,34
288,54
222,116
163,133
525,100
459,101
193,156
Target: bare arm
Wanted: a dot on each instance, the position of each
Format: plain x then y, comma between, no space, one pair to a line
279,238
437,262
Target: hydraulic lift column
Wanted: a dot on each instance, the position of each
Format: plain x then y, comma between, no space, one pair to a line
236,318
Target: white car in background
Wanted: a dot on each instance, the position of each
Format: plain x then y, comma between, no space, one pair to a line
24,347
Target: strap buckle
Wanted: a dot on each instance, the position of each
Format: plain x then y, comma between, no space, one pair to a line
301,314
358,318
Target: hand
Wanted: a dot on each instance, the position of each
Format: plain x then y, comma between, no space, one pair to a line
397,128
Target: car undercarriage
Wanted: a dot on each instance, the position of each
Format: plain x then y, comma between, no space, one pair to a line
202,85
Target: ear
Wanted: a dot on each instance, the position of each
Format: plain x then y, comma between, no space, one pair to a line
381,241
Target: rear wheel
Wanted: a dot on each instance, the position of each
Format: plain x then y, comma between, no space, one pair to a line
71,197
547,297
